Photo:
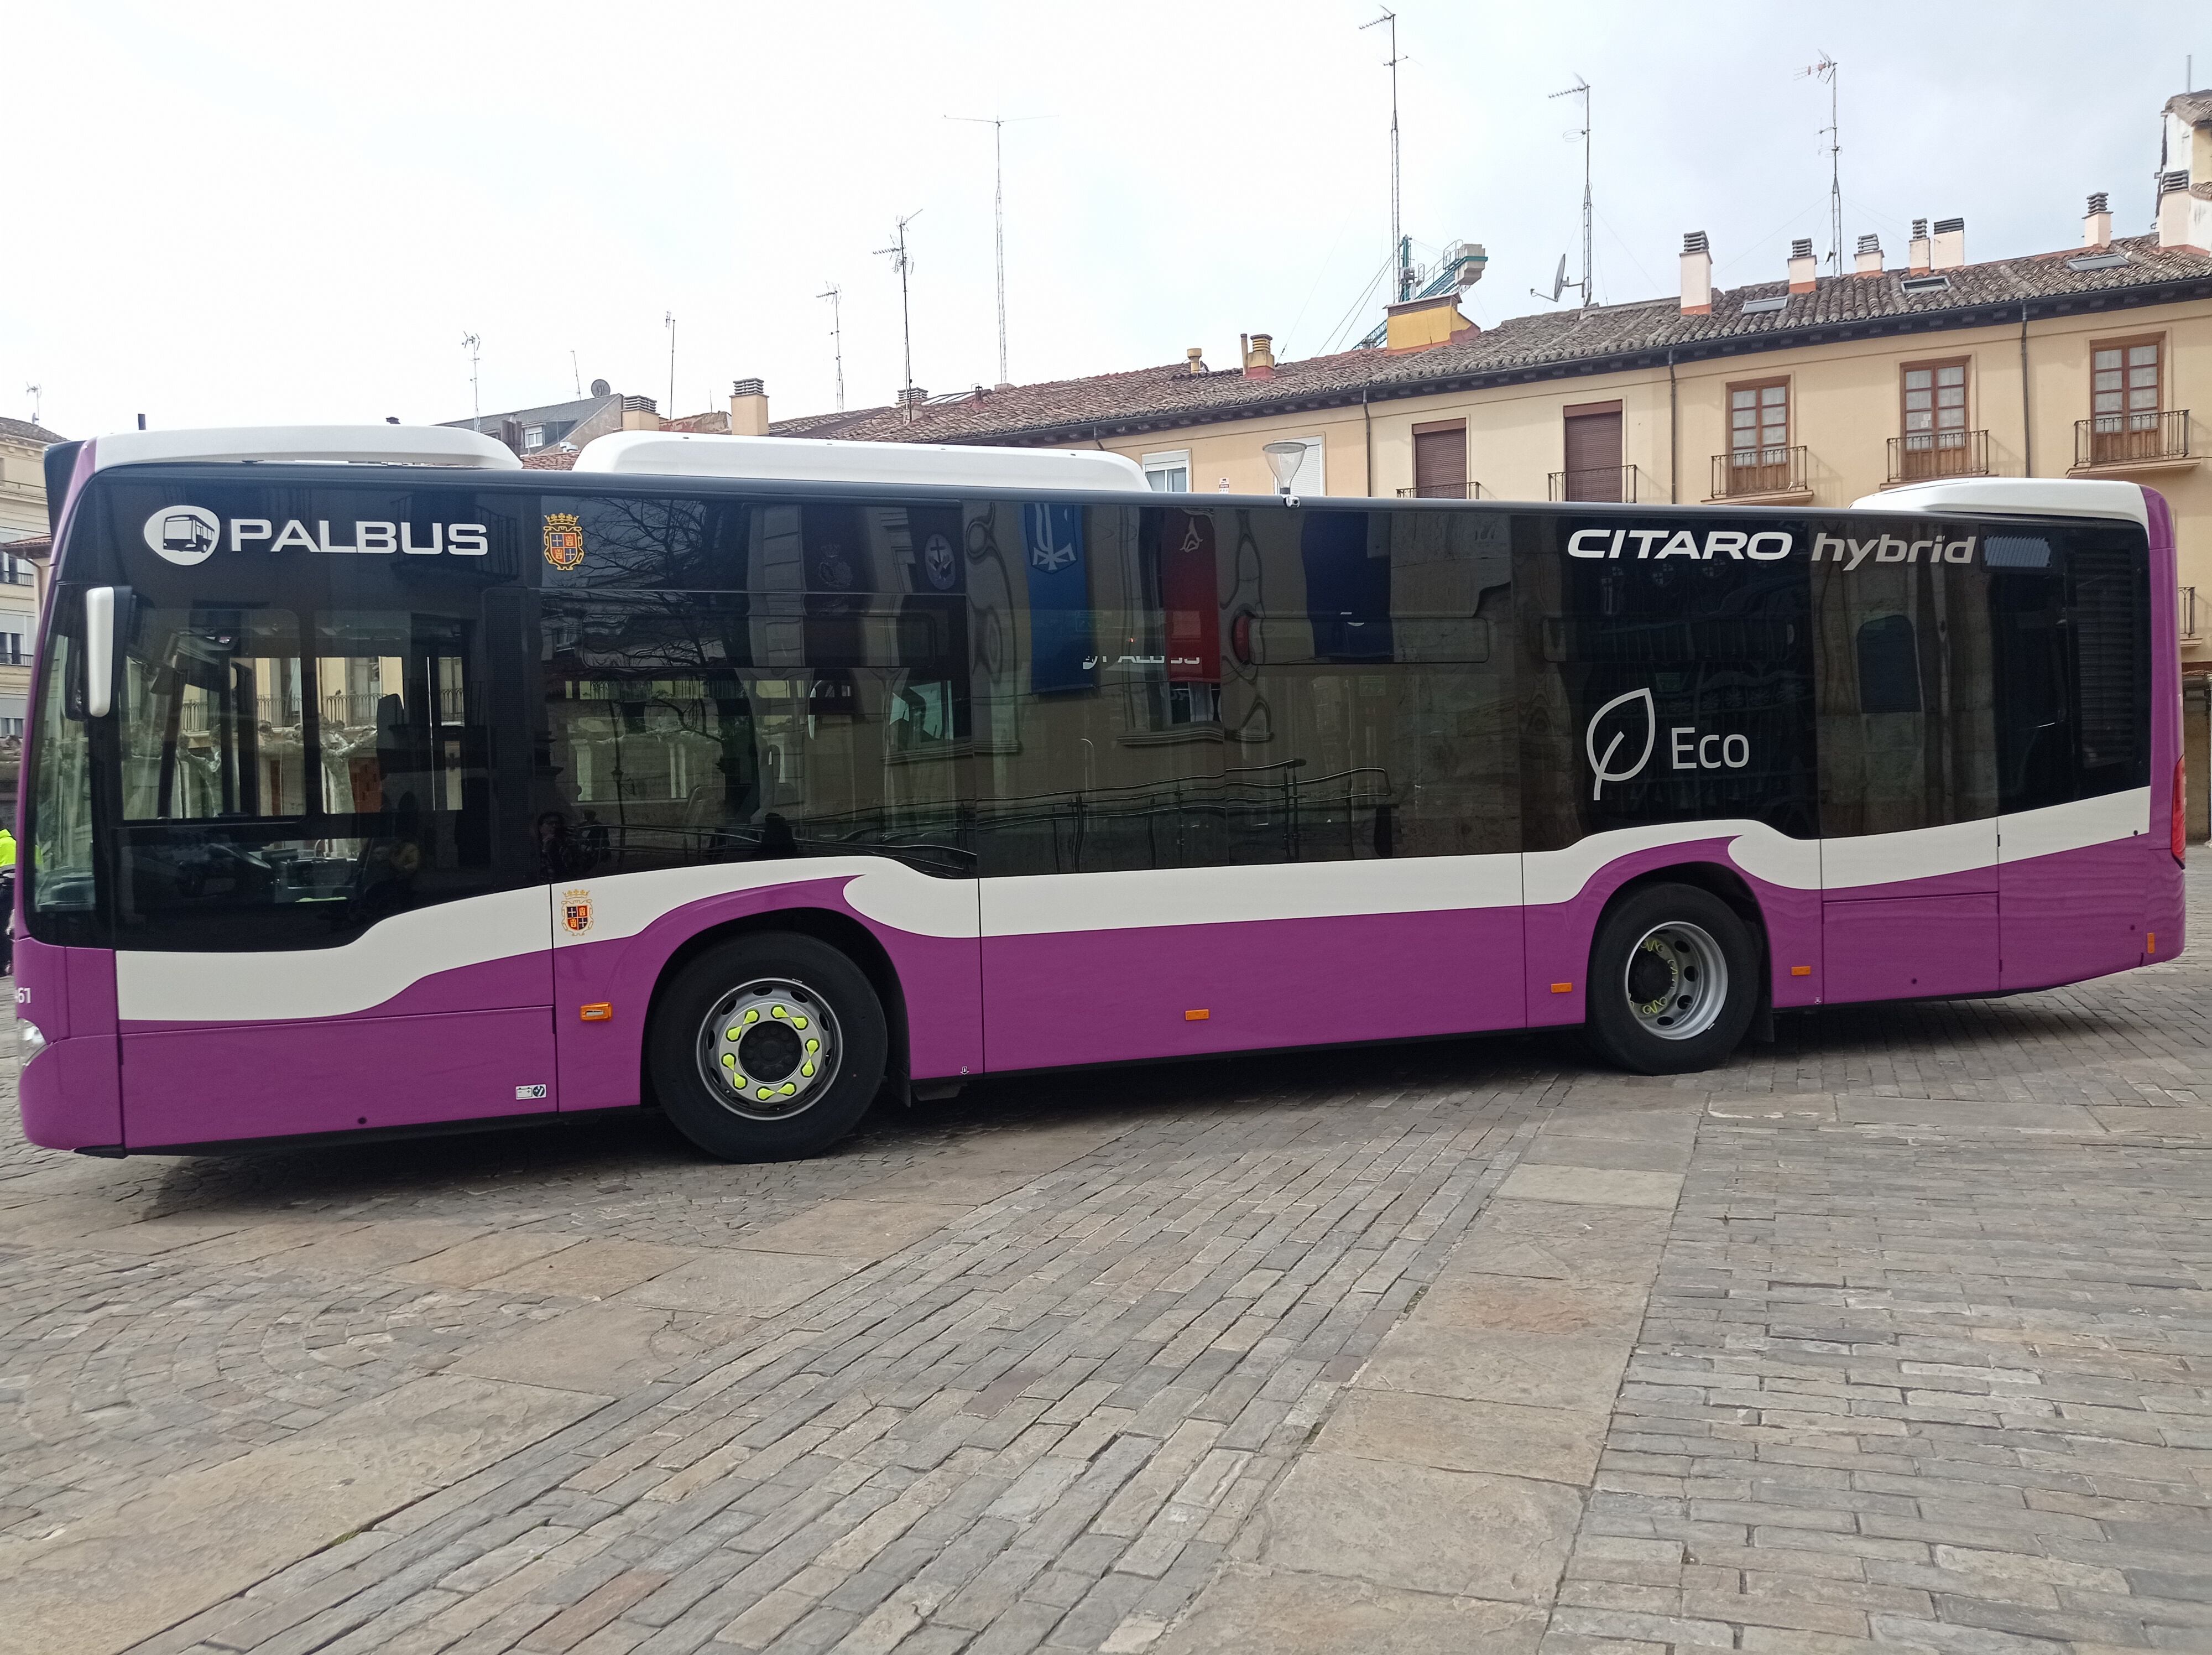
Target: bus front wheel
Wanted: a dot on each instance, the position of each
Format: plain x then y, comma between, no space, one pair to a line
767,1047
1674,981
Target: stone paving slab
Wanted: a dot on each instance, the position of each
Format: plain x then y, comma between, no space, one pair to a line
1893,1335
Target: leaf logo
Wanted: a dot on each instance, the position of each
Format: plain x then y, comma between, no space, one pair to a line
1602,765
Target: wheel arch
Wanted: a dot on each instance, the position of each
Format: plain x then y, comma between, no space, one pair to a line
1718,879
842,932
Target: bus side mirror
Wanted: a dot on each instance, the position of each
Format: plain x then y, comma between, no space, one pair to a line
107,611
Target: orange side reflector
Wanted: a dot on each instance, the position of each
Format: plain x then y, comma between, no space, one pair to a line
1801,971
2150,942
597,1013
1199,1016
1563,988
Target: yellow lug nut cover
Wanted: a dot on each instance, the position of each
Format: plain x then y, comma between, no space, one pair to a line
732,1034
729,1060
752,1014
777,1011
798,1022
814,1045
788,1089
807,1069
763,1092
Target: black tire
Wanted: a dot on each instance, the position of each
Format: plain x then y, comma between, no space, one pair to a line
1636,990
789,983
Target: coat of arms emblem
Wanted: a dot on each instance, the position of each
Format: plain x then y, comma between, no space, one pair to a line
564,539
577,906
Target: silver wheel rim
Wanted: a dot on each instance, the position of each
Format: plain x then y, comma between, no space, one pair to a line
1676,981
769,1049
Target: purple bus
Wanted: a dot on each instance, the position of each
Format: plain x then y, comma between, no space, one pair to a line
377,785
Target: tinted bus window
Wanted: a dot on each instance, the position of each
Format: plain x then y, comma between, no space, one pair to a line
2071,612
812,700
1668,675
1907,702
1193,688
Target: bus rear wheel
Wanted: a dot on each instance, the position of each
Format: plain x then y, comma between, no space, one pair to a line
768,1047
1674,981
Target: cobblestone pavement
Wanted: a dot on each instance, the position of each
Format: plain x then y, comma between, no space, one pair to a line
1893,1335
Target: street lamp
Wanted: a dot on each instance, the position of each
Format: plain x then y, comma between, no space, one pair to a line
1284,460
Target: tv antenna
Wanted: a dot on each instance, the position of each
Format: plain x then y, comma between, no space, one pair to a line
1559,283
1834,131
1400,252
668,321
998,124
575,373
835,295
33,393
474,345
896,253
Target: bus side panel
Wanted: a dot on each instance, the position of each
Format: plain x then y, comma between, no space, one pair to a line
242,1081
1136,963
2074,879
71,1093
633,924
1180,991
1566,903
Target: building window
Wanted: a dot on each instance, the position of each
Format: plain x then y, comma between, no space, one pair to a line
1593,469
1759,436
1440,461
1934,419
533,437
2126,393
11,648
1170,472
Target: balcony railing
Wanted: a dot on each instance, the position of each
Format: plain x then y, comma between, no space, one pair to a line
1924,454
2188,616
1468,491
1603,484
1744,471
2131,439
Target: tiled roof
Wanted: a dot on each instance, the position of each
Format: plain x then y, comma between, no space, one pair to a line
22,430
1546,345
561,457
2195,107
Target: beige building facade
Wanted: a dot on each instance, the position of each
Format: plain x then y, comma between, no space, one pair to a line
22,521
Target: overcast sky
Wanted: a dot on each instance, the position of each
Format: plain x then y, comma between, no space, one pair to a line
286,213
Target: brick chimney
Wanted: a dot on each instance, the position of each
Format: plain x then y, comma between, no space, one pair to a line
1804,269
2097,222
1259,355
2185,216
1697,275
1868,260
1917,250
749,409
639,414
1950,243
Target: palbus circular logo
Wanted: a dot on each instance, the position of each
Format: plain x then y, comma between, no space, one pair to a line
183,534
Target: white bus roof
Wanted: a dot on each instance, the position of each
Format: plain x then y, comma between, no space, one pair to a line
2040,496
316,445
811,460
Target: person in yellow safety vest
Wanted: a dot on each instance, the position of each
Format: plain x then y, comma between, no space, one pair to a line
8,897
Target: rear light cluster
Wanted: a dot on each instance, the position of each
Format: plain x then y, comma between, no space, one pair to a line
2180,811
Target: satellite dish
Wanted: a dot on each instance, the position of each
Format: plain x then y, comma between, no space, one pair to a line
601,388
1558,283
